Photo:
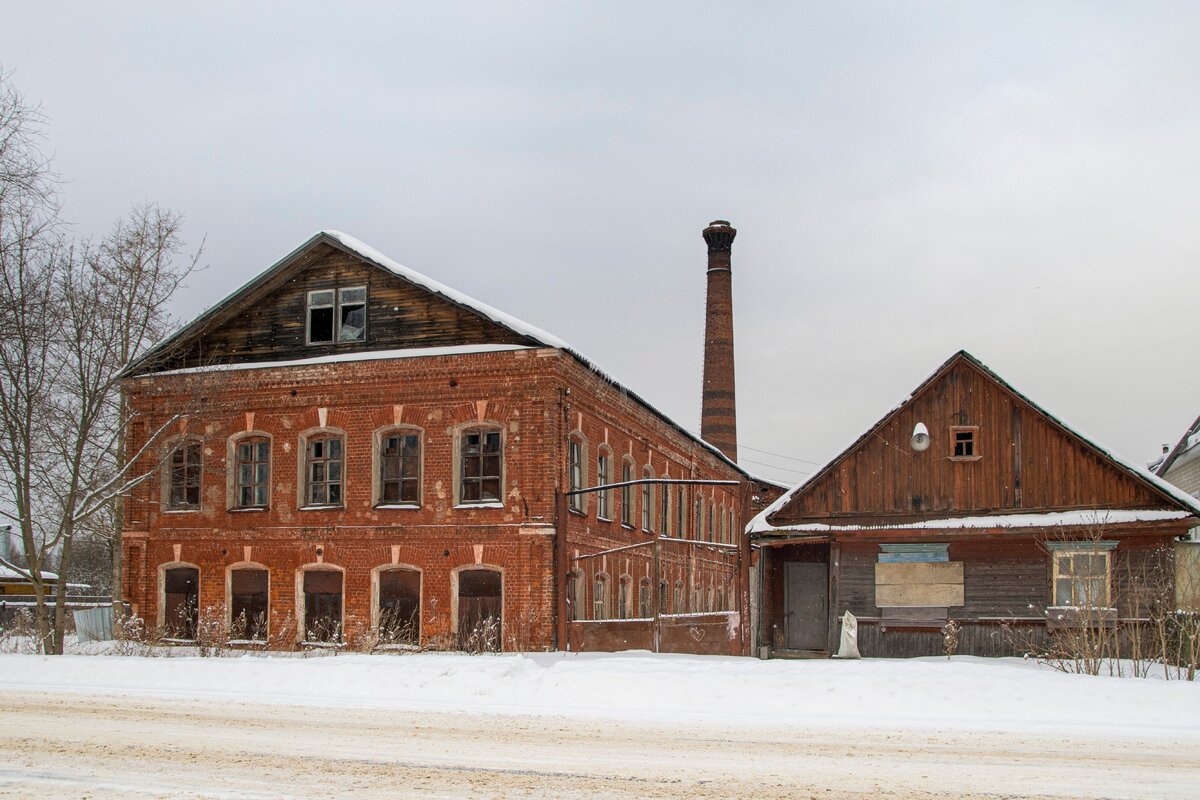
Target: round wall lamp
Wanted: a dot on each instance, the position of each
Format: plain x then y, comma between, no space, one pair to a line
920,438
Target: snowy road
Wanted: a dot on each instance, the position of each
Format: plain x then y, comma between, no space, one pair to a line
72,745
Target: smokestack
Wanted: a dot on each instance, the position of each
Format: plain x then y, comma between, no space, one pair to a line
718,414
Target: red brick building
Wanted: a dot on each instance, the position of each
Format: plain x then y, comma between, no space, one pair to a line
345,448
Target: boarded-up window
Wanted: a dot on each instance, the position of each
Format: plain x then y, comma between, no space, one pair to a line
600,597
400,468
480,598
181,595
481,464
184,489
248,603
917,576
253,472
322,605
400,606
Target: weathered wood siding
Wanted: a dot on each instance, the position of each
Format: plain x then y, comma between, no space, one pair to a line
269,324
1025,462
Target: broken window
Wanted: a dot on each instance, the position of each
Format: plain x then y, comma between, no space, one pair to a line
480,603
481,463
400,606
352,314
323,471
181,596
253,467
645,602
322,605
603,478
400,468
248,604
320,316
626,494
964,440
184,490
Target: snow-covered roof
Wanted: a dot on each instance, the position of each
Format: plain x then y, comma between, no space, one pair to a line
339,358
11,572
1189,440
1057,519
761,524
534,334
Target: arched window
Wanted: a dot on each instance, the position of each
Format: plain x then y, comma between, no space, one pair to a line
324,458
252,472
576,595
648,500
680,513
576,458
645,602
603,478
600,597
623,597
677,600
482,459
183,482
698,517
322,605
181,601
248,602
664,517
627,492
399,605
399,467
663,595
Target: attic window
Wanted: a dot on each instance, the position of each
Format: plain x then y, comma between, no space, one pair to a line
348,324
965,442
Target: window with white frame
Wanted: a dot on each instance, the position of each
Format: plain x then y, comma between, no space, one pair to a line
1082,573
323,470
482,462
400,468
648,500
253,472
575,473
183,489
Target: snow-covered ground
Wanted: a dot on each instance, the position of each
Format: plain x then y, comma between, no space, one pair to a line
966,693
624,725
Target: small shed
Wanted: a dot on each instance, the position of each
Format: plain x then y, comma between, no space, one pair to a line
966,502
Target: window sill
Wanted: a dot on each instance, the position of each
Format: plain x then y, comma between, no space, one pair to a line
603,519
628,526
965,458
181,511
579,512
320,508
249,508
480,505
396,506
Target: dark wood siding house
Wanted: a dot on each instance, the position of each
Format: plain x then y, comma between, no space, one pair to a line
969,502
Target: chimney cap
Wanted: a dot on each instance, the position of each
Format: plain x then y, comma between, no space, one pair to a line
721,222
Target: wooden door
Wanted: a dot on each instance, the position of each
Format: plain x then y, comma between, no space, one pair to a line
805,600
480,604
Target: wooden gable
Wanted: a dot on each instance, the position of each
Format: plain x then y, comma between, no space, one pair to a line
1022,461
267,320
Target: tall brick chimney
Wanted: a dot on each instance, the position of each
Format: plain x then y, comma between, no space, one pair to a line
718,414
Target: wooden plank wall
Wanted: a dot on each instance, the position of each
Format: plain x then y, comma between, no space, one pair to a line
1024,463
271,326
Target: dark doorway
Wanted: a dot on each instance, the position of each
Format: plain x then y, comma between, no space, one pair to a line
248,609
805,593
399,606
322,606
480,595
181,587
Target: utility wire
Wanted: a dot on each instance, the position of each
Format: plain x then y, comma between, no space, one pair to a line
779,455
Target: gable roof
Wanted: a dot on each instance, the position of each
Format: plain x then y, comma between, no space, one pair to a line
761,522
1179,449
533,335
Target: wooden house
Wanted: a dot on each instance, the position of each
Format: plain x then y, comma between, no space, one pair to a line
965,502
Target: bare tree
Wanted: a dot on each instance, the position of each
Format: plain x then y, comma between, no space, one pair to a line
74,315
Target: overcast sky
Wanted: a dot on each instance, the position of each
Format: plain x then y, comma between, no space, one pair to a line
907,179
